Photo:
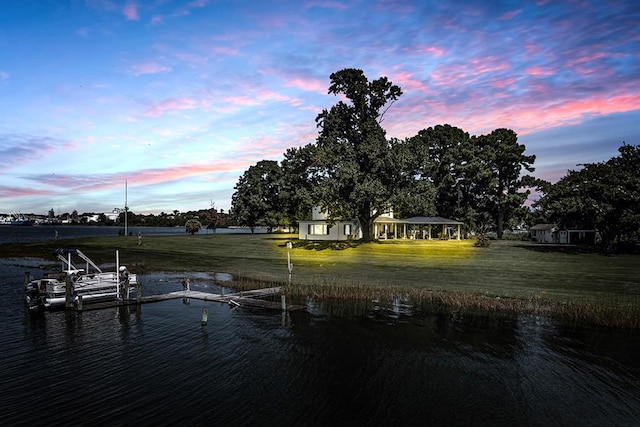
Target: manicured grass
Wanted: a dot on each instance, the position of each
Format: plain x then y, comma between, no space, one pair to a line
510,270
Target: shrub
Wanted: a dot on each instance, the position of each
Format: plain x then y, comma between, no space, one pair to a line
482,240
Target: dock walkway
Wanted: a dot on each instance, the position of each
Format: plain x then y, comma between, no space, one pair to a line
250,298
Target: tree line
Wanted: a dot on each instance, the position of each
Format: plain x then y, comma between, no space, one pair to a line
353,170
210,218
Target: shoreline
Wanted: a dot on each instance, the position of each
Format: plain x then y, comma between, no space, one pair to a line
510,276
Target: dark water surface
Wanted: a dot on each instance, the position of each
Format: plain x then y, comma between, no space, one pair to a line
328,366
13,234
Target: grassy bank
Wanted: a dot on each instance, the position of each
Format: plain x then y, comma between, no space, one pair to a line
508,275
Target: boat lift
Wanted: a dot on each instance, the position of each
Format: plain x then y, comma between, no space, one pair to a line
60,254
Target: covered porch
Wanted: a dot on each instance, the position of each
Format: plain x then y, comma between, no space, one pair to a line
419,227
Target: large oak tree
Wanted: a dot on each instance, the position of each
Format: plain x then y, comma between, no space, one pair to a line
355,162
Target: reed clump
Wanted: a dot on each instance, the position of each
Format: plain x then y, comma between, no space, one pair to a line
616,314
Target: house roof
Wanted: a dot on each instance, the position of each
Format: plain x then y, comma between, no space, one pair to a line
431,220
388,220
420,220
543,227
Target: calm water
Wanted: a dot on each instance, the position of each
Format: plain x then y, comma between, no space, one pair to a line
9,234
330,365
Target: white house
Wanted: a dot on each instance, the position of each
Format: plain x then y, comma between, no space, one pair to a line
550,233
385,227
318,228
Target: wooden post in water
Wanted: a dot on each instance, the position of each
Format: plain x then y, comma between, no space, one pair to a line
27,277
68,302
118,274
138,292
205,315
284,302
127,289
289,264
79,302
186,285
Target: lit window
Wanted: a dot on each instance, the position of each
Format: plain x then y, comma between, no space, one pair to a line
318,229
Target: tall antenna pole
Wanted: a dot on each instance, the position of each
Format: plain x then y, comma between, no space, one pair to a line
125,209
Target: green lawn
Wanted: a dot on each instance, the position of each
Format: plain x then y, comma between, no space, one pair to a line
506,268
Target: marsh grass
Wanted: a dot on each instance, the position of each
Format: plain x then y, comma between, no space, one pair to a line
564,281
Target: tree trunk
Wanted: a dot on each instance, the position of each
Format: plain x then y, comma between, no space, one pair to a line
500,223
366,225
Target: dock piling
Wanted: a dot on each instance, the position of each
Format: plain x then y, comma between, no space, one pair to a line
69,292
205,315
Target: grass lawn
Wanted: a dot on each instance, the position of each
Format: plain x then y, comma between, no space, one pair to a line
506,269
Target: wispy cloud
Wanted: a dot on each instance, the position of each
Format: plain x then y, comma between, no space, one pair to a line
12,192
17,149
172,105
185,10
148,68
130,11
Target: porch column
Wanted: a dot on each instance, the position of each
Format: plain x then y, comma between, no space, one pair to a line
429,232
458,232
375,231
395,231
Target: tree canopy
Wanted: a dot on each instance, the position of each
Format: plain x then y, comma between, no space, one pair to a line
504,160
604,196
256,199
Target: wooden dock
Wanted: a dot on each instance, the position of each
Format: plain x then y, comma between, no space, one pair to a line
252,298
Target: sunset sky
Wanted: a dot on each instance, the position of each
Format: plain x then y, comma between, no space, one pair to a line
179,98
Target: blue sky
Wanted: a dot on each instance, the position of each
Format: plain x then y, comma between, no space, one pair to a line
179,98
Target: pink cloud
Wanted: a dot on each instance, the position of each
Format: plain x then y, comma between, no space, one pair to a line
130,10
586,58
172,105
488,65
225,50
431,50
259,98
149,68
539,71
309,85
502,83
510,15
408,83
91,183
10,192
